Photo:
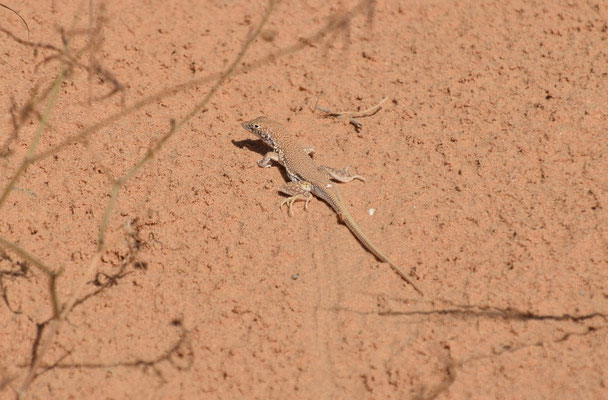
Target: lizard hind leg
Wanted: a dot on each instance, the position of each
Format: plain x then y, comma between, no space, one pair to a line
298,190
341,175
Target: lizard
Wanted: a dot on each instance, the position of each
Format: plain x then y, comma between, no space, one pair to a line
308,178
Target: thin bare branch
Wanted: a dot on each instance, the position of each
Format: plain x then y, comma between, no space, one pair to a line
36,139
351,114
177,125
19,15
333,23
27,256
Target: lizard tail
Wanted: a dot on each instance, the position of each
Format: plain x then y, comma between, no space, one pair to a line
356,230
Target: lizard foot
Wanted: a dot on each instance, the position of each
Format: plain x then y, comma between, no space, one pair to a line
298,191
290,200
341,175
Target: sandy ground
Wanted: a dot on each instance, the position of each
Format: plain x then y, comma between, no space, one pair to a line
486,168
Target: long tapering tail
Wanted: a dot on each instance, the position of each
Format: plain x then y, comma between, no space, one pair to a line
356,230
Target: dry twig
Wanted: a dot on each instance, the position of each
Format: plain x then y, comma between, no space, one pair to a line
352,114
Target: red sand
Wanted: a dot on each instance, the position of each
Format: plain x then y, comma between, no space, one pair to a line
486,168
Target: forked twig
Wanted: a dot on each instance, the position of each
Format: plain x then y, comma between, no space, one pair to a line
357,114
32,150
352,114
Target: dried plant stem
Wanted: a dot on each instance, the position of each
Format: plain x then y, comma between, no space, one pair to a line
352,114
59,316
29,157
334,23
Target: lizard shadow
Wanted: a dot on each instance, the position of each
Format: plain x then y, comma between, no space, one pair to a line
261,148
252,144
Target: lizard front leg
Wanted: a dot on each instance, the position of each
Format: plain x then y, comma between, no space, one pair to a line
341,175
270,156
298,190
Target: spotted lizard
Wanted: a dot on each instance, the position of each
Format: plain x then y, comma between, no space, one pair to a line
308,178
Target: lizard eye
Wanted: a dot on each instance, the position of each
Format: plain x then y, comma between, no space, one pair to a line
256,126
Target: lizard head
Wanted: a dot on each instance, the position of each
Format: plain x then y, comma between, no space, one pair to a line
260,127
